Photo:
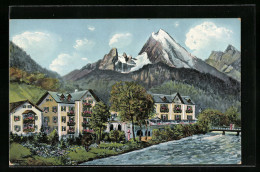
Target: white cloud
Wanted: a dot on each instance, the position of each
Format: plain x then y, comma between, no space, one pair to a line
207,36
91,28
120,40
39,45
84,44
66,63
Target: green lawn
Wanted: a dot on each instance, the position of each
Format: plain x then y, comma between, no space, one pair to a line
18,92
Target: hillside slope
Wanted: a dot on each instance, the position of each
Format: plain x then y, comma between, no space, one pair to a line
18,92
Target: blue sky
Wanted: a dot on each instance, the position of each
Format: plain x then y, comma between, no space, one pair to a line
63,45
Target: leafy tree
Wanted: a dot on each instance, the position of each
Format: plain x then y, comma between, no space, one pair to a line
130,100
232,114
99,118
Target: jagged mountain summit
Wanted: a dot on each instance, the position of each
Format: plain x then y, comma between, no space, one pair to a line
228,62
160,47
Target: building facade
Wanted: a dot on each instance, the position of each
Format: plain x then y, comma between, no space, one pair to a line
68,113
174,107
24,118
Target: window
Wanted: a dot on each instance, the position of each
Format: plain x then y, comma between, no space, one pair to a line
71,108
46,109
54,119
189,117
54,109
177,109
47,100
177,117
90,101
63,128
88,95
16,118
63,119
164,108
17,128
36,127
189,109
63,108
46,119
29,106
24,106
36,118
84,101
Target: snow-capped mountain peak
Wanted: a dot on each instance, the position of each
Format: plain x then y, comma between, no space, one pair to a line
162,47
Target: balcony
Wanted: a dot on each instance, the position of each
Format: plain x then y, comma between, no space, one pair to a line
71,123
28,129
85,124
28,120
86,113
71,113
164,109
189,111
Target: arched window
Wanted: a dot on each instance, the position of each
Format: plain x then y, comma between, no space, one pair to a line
119,127
111,127
139,132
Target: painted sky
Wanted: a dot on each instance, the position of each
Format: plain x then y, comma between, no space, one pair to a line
68,44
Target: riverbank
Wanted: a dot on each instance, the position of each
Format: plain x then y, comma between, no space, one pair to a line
211,148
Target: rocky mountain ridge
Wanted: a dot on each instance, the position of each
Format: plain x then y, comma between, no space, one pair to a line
228,62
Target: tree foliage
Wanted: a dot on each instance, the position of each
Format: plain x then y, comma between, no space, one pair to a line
131,101
99,118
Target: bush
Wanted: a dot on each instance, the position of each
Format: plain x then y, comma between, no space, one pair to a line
79,140
80,155
102,152
53,137
117,136
18,152
105,137
38,160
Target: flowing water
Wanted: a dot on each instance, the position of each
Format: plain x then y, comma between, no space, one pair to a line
211,148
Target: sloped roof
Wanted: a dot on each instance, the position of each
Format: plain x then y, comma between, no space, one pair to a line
28,111
75,96
163,98
15,105
187,100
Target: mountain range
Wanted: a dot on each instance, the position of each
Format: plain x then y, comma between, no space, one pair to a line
160,47
160,61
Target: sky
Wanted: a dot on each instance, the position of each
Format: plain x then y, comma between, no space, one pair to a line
63,45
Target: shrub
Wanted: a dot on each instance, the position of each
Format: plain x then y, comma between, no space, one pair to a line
116,135
178,131
105,137
156,134
38,160
53,137
80,155
102,152
18,152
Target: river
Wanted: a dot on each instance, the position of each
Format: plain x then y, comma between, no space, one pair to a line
211,148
